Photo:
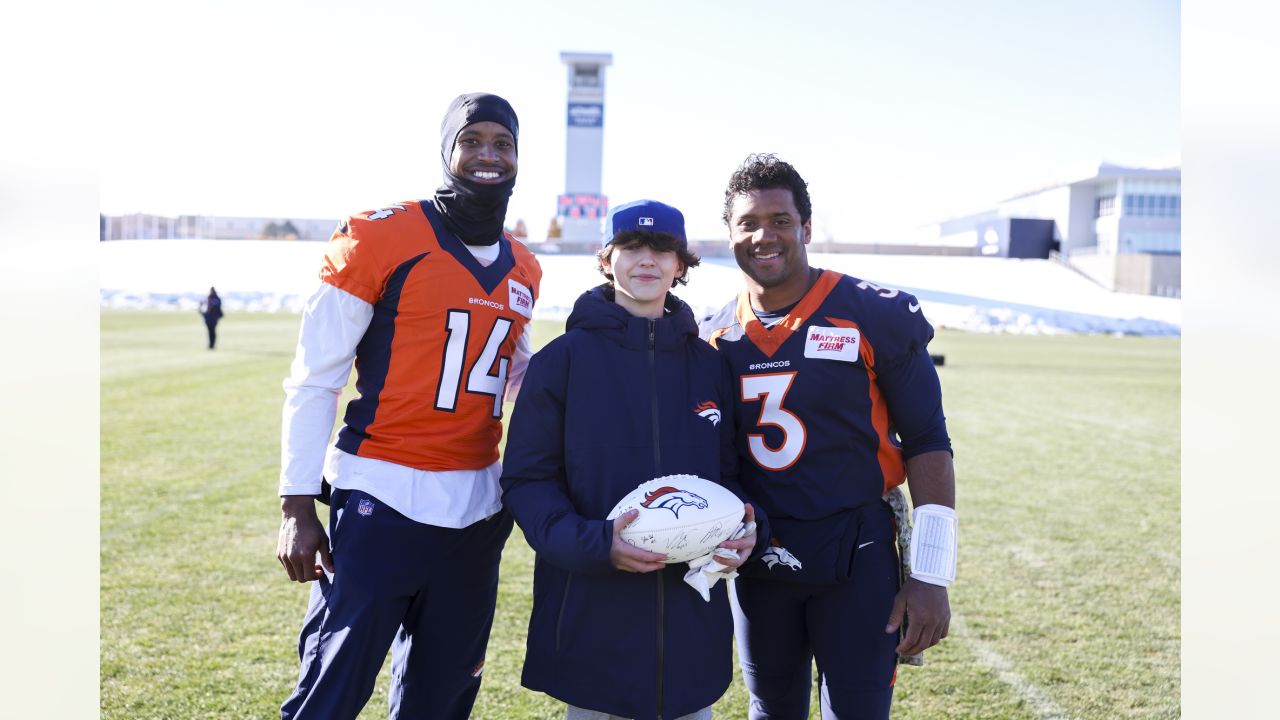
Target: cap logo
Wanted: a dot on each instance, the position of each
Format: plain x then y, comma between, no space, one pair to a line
646,221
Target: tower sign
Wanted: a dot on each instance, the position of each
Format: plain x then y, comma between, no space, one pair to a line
582,207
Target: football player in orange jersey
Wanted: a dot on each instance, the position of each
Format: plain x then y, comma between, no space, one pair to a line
430,300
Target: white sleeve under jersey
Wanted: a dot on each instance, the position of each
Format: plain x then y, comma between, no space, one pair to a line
519,363
333,323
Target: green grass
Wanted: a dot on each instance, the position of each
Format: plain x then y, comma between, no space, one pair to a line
1067,458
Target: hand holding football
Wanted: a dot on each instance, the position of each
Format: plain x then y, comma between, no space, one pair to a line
682,516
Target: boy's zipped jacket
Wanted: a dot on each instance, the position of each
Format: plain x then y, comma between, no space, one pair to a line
616,401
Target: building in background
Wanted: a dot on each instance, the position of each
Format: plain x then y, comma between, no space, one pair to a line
581,209
140,226
1120,226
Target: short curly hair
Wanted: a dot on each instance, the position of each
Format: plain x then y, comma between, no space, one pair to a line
659,241
765,171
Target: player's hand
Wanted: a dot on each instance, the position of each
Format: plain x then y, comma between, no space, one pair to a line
743,545
928,612
301,537
627,557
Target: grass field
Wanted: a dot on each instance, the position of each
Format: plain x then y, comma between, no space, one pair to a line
1067,457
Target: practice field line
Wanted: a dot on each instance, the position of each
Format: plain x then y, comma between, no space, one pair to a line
1040,703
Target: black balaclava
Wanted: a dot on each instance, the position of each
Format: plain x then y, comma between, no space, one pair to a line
473,211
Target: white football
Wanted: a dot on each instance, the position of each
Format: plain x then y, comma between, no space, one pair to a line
682,516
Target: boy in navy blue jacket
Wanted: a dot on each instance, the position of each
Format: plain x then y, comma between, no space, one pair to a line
613,402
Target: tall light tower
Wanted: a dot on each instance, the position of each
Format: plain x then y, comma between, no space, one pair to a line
582,206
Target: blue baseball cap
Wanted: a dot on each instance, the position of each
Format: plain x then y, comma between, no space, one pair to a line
644,215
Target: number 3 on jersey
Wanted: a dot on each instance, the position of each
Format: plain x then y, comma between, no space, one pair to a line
478,380
771,390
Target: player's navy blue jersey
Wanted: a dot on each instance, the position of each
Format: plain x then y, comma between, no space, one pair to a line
832,399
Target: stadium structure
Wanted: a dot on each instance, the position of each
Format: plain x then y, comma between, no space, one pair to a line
1119,226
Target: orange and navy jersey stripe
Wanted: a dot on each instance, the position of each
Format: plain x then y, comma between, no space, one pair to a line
832,398
432,365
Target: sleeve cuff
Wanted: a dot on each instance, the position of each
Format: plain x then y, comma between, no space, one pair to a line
299,489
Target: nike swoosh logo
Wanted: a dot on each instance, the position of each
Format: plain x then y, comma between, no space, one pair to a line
913,307
865,544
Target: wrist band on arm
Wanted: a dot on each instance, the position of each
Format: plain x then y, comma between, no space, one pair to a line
933,544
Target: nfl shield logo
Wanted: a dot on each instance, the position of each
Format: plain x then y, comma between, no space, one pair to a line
365,508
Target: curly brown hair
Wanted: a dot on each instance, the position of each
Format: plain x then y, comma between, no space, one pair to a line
765,171
659,241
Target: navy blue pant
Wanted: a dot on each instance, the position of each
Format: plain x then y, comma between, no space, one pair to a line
782,627
212,327
426,592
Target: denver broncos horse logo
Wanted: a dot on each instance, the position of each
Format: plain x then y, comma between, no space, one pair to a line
709,410
778,555
672,499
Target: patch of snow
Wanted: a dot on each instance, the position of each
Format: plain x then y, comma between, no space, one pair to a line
967,293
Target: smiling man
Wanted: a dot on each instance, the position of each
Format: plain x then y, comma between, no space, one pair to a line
838,402
430,300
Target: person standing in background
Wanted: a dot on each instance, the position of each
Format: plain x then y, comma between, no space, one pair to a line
211,309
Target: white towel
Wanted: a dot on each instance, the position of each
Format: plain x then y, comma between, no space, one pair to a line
705,572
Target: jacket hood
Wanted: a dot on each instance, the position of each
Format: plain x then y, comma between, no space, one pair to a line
596,311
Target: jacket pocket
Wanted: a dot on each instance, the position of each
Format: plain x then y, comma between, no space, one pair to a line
564,601
876,540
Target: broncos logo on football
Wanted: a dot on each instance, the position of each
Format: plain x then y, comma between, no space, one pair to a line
709,410
778,555
672,499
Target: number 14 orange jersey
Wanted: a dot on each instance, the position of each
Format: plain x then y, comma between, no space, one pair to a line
432,366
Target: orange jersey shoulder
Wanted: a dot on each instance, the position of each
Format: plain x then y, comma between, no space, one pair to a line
366,247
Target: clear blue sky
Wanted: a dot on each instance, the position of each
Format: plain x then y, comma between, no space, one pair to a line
897,113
